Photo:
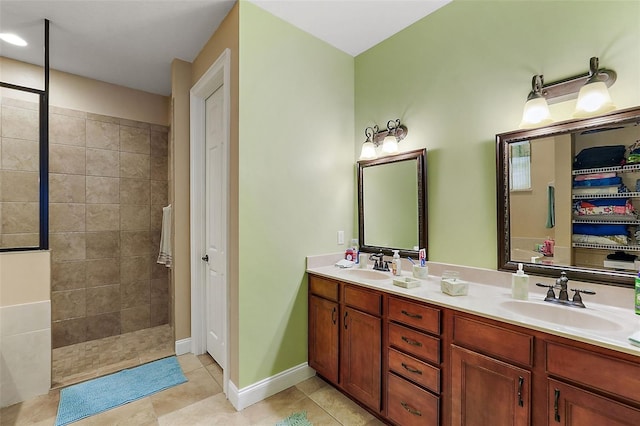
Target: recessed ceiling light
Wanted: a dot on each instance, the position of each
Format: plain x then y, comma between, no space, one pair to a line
13,39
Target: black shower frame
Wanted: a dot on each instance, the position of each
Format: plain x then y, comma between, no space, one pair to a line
43,111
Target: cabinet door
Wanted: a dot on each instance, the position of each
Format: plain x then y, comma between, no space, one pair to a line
323,337
485,391
361,354
572,406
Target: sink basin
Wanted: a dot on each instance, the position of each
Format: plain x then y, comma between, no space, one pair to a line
367,274
561,315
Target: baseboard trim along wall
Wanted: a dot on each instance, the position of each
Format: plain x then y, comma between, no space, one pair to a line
183,346
242,398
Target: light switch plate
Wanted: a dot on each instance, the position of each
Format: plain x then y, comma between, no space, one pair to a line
340,237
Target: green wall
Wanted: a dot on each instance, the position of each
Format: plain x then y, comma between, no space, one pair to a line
455,78
296,181
461,75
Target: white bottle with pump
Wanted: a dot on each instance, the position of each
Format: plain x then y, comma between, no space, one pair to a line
520,284
396,265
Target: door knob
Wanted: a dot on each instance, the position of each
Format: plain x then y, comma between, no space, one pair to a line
205,257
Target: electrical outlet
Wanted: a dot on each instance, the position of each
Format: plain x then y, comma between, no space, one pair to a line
340,237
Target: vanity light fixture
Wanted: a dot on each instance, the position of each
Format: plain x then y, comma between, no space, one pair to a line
536,110
594,98
388,138
590,89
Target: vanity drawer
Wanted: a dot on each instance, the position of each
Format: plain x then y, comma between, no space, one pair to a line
415,370
612,375
414,314
415,343
409,405
364,300
495,341
323,287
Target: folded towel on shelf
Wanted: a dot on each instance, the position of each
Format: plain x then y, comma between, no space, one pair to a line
620,206
600,156
599,190
589,229
598,182
165,257
591,176
601,239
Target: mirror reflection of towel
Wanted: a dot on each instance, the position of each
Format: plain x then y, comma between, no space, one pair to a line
551,209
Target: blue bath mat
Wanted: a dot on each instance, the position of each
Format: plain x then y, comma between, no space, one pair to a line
104,393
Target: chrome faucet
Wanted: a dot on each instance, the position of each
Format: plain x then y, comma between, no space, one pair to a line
380,264
563,296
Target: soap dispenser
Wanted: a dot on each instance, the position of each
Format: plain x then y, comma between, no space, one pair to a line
396,266
520,284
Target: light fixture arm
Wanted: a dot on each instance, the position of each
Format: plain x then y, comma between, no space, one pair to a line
568,88
394,128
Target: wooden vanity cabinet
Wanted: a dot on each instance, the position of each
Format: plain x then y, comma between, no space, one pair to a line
361,345
413,362
587,388
490,374
345,338
324,337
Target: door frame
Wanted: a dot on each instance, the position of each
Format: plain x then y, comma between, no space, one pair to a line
219,74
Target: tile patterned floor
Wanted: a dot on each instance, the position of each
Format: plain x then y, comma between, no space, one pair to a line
200,401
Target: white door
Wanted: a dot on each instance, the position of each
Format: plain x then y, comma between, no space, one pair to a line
216,232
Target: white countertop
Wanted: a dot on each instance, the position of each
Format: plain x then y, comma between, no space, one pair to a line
615,323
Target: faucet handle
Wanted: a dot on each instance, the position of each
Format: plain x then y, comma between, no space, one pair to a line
550,294
577,299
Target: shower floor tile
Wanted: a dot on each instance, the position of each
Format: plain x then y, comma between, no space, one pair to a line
86,360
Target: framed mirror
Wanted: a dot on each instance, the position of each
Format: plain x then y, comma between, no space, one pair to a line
568,198
392,203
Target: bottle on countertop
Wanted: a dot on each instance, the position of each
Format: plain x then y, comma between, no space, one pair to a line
637,295
520,284
396,266
356,250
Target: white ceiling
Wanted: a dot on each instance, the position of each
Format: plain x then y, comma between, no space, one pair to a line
132,43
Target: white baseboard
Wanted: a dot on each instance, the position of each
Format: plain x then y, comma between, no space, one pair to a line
242,398
183,346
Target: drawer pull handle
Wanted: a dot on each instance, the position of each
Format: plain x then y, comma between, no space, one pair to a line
409,409
411,369
520,383
410,315
412,342
333,315
556,408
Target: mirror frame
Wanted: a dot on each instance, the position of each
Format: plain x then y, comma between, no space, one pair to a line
502,196
420,155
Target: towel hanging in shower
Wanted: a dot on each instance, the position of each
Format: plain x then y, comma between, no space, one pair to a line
165,257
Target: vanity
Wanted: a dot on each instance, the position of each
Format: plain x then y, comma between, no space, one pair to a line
417,356
420,357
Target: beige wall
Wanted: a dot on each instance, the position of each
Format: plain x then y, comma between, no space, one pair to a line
225,37
85,94
24,277
179,197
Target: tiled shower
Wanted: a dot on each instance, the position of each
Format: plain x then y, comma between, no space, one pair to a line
108,184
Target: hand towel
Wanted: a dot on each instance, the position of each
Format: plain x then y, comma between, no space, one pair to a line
551,206
165,257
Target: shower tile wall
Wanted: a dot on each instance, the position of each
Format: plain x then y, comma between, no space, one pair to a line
108,184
